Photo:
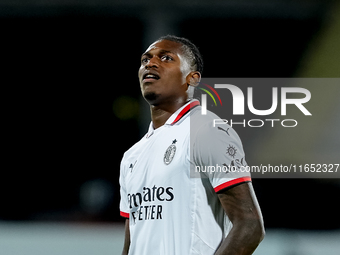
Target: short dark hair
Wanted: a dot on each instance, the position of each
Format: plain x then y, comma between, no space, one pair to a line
190,49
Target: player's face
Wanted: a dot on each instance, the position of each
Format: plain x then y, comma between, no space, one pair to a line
163,71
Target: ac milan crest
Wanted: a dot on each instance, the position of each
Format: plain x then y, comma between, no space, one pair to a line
170,153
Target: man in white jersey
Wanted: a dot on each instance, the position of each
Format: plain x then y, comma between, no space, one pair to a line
168,210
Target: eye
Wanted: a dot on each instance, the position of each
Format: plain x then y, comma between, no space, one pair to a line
166,58
144,60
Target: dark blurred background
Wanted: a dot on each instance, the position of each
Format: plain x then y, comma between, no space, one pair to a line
73,105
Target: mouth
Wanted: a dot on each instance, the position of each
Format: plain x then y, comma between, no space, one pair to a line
150,76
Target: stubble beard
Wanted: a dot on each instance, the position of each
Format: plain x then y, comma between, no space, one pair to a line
151,97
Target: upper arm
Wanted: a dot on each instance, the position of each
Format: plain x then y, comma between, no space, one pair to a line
127,238
124,206
241,206
218,151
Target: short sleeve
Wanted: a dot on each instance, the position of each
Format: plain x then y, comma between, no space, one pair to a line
123,206
218,155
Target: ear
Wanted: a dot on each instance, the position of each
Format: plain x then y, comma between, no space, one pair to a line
193,78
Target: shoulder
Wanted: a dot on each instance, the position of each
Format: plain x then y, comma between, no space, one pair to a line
210,126
134,148
131,153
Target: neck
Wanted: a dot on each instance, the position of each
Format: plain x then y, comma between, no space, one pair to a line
161,113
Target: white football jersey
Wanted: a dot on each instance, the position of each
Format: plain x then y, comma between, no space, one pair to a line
166,191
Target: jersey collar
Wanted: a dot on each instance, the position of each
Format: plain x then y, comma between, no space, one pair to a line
176,116
181,112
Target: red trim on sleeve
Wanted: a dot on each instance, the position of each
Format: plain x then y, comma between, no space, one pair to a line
124,214
231,183
185,110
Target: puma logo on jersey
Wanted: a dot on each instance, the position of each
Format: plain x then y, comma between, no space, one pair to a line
132,165
219,128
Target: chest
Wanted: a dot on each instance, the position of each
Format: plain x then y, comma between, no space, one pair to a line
161,160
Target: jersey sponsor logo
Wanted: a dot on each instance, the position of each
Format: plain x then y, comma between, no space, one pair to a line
238,163
144,205
170,153
150,195
231,151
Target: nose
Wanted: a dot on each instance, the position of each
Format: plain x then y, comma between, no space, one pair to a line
152,63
